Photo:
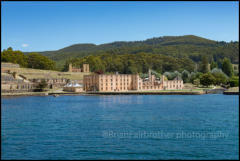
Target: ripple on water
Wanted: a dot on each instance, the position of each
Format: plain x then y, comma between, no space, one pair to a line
120,127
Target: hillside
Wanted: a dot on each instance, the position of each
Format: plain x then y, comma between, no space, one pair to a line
50,74
189,46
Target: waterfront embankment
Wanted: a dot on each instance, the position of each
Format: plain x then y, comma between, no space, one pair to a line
163,92
232,91
149,93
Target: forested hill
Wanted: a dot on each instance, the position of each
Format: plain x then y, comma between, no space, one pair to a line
177,46
188,46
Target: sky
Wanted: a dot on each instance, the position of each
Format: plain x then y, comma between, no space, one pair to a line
44,26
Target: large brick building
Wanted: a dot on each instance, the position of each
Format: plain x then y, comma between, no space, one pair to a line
126,82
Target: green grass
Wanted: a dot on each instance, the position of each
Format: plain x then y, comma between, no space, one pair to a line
38,74
233,89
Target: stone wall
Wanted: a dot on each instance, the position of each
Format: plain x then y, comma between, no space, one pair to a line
52,83
17,87
9,65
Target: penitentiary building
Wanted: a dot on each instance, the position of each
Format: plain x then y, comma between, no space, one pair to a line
127,82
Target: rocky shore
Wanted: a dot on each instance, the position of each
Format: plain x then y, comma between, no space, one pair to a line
231,91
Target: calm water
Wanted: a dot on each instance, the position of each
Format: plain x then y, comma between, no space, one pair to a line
120,127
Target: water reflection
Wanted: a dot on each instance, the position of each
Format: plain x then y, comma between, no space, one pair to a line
112,101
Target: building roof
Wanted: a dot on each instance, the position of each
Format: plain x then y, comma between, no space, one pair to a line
73,85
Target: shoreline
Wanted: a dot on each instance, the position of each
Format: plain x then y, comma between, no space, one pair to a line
105,93
230,93
200,92
150,93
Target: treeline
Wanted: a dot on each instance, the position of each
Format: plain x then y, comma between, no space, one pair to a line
189,46
31,60
206,72
132,63
220,73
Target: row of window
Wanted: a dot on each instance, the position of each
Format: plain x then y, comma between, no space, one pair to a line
116,84
150,87
121,76
174,86
174,81
121,88
112,80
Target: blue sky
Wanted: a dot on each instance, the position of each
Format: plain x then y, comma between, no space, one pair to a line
41,26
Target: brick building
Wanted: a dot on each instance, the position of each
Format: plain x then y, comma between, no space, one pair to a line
126,82
84,69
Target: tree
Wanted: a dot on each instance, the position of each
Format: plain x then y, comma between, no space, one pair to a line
10,49
185,76
219,63
38,61
227,67
168,75
12,56
172,75
194,75
213,65
234,81
196,82
220,77
207,79
204,64
40,87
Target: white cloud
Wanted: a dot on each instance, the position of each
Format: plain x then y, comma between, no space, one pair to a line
25,45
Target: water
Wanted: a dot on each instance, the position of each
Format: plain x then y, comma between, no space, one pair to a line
120,127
